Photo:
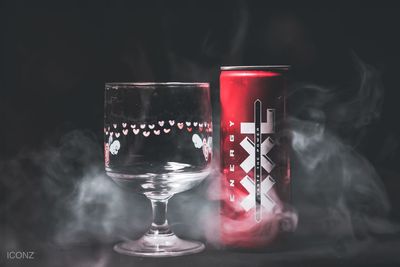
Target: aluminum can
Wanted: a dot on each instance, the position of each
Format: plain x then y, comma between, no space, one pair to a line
255,167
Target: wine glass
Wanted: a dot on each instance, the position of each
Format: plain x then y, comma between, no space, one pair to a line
158,142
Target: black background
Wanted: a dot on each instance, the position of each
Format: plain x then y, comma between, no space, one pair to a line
55,61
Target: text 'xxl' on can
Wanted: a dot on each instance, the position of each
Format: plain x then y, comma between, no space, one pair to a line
255,165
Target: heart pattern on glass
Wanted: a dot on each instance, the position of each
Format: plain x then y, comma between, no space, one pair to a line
157,127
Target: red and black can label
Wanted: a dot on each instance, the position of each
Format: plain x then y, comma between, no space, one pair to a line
254,155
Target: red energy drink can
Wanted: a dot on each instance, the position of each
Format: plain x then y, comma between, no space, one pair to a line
254,154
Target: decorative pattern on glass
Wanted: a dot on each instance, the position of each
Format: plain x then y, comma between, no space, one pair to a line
200,133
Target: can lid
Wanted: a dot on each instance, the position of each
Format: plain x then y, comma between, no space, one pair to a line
263,67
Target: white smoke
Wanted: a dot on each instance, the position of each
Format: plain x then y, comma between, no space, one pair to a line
337,191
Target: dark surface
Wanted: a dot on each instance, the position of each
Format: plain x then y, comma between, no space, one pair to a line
384,253
55,61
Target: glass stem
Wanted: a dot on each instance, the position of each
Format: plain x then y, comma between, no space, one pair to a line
159,226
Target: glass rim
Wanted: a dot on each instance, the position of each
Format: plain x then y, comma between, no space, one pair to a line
155,84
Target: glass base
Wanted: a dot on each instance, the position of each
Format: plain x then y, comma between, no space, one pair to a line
159,246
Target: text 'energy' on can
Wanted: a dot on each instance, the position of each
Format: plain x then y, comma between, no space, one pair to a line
254,154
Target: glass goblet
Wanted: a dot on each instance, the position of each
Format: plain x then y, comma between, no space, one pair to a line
158,142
